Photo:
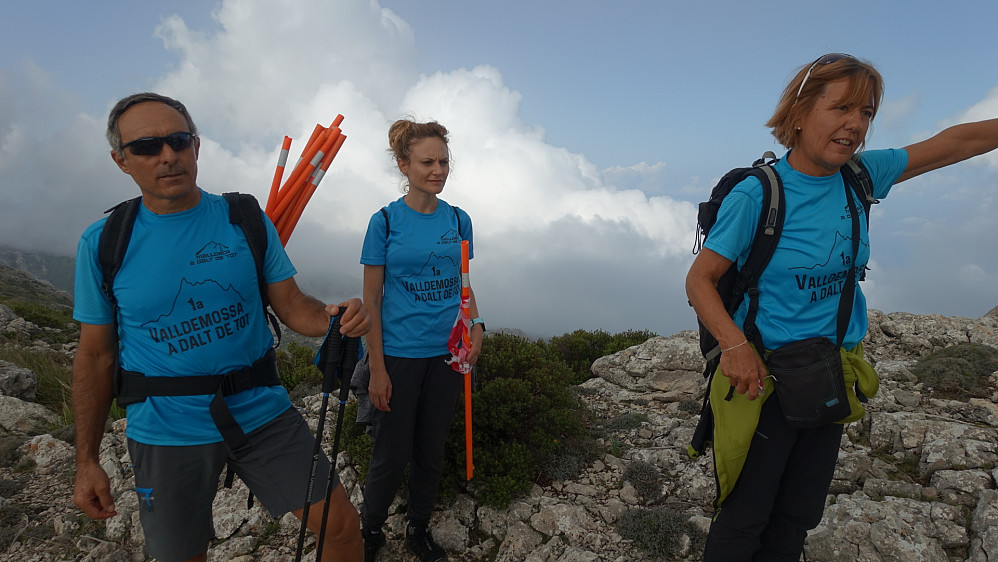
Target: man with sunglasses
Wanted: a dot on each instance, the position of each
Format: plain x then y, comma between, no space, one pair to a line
189,304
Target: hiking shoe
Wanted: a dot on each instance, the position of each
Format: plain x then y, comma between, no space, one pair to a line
373,541
419,542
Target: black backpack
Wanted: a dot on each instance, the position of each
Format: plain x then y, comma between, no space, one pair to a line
737,284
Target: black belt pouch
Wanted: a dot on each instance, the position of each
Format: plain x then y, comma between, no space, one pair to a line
809,382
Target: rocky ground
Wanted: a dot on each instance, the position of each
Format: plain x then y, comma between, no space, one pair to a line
916,479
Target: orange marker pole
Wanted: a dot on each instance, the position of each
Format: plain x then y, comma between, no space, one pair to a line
469,465
299,178
295,215
317,132
282,160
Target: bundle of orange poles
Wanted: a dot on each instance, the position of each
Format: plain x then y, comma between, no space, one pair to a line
286,202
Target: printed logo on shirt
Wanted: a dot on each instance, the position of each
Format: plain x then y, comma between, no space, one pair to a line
212,252
824,285
450,237
191,323
434,281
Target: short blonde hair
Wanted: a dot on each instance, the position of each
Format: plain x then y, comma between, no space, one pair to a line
809,83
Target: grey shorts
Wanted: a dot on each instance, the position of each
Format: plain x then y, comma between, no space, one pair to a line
176,485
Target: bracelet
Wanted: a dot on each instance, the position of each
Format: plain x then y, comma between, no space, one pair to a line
734,346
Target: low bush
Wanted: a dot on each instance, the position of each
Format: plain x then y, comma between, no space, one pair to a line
645,478
660,532
626,422
357,444
529,426
39,314
295,364
525,415
958,372
580,348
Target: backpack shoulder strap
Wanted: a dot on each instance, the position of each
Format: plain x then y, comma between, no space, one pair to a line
114,238
457,215
111,248
856,175
244,210
768,232
388,227
764,244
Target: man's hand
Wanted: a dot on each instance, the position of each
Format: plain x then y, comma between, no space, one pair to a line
92,491
354,318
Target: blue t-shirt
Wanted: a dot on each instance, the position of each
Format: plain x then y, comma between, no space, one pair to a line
422,259
799,289
189,305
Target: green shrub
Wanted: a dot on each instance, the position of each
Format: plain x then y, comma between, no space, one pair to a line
10,451
570,458
356,443
659,532
626,422
525,414
645,478
294,363
580,348
40,314
959,372
691,406
528,425
12,517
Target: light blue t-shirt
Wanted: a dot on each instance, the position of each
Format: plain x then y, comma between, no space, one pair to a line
799,289
422,259
189,305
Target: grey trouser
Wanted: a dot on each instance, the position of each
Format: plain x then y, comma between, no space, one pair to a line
413,433
177,484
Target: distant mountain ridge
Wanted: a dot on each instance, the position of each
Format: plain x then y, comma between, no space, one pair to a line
23,286
57,270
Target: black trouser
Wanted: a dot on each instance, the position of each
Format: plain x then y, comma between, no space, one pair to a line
424,393
780,493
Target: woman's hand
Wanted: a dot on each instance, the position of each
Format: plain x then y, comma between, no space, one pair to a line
744,369
379,390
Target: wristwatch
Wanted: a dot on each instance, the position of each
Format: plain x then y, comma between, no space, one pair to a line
477,321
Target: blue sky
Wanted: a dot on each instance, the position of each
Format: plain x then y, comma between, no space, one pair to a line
583,133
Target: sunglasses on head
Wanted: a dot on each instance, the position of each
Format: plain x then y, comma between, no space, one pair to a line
823,60
151,146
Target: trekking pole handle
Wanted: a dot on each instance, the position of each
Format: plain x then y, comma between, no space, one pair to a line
332,354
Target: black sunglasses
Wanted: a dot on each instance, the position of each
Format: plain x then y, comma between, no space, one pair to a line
823,60
151,146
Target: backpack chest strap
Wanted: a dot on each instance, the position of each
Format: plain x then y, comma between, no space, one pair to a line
136,387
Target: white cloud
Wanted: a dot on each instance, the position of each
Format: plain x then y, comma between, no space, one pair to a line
557,245
560,244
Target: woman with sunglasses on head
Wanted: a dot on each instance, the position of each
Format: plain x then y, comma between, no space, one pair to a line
822,119
412,286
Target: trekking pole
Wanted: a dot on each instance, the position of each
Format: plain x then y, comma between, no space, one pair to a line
331,353
348,362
